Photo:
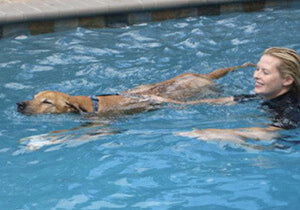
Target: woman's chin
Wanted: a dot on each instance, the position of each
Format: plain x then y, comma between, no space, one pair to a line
257,91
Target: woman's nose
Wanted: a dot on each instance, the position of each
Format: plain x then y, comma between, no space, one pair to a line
256,74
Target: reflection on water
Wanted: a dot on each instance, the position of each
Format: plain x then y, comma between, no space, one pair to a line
68,137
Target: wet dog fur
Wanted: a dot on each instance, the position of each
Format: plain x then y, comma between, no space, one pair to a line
142,98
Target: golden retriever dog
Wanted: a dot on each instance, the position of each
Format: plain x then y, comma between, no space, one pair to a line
142,98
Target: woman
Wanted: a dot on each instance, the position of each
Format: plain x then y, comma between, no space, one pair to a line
277,82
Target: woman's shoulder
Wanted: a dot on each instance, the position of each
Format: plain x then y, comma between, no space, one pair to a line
287,111
245,97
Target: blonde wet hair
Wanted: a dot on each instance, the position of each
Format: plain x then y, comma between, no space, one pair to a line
289,65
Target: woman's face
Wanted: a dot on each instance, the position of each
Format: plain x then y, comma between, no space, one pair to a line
268,81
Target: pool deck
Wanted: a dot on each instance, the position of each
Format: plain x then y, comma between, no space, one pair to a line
44,16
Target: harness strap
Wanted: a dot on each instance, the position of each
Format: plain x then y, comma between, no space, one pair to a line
95,101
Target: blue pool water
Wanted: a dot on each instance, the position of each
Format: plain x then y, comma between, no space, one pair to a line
136,162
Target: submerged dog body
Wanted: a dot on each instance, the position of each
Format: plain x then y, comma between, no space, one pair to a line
141,98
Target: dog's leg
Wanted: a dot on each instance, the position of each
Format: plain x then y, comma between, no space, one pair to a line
222,72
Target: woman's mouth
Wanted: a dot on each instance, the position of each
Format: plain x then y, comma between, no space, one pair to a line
258,84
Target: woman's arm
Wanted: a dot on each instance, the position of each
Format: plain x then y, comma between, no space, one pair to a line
221,101
236,135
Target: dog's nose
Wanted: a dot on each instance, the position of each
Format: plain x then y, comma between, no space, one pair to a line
21,106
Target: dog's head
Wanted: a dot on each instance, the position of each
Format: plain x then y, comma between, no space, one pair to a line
47,102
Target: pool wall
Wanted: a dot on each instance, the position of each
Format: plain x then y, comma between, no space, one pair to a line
33,17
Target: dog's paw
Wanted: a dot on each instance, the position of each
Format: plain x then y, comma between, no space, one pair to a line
249,64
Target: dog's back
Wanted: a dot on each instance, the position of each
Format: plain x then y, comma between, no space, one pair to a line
185,85
178,88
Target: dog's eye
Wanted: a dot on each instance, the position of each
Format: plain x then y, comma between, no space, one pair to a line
46,101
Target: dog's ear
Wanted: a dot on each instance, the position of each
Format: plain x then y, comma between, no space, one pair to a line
76,107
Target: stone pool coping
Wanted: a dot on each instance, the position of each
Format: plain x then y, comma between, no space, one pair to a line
45,16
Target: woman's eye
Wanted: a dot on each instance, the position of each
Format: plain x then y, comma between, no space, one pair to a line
266,72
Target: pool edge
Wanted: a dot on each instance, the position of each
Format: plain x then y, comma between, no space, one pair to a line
42,17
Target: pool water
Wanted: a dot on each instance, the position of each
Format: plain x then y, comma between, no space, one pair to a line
69,161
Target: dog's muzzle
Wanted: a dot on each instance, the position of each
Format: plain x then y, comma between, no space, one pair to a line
21,106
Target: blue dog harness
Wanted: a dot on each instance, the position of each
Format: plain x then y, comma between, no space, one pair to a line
95,100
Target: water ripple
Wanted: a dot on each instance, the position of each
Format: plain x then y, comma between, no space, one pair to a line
137,161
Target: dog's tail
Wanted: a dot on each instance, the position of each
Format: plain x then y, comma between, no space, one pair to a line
222,72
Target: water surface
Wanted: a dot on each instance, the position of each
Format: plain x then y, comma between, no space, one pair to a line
136,161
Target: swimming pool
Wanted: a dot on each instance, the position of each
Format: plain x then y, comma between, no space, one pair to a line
135,161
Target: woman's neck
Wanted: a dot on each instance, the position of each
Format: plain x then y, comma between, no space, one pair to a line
280,93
